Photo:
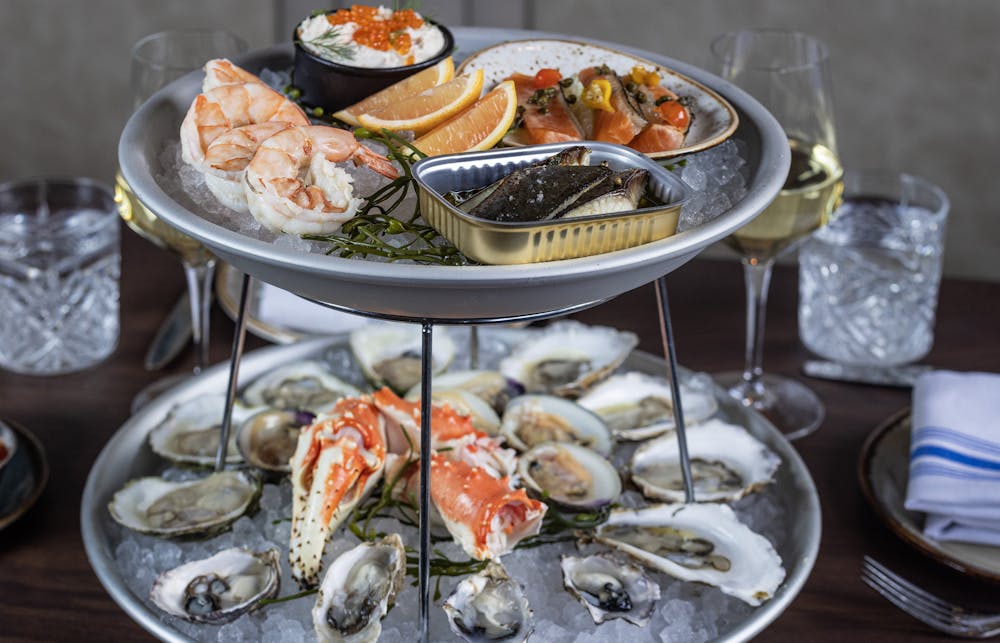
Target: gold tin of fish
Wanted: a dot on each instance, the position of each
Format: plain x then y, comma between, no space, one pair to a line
493,242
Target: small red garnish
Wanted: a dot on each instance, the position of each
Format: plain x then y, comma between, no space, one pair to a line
547,78
674,114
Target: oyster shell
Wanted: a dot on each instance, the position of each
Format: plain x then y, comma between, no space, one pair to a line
203,506
190,432
727,463
489,606
610,588
530,420
636,406
483,417
698,542
220,588
567,357
572,476
357,590
302,386
491,386
267,439
389,353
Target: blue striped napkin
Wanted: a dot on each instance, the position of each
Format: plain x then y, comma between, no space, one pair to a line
955,456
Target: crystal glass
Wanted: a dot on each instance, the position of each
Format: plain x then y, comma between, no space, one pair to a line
157,60
788,73
868,281
59,268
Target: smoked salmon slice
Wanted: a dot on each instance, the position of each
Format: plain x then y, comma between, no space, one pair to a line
546,117
626,121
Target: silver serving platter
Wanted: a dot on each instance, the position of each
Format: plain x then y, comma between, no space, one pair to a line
127,456
446,293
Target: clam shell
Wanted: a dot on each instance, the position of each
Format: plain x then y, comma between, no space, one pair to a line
727,463
267,439
202,506
529,420
572,476
568,357
220,588
699,542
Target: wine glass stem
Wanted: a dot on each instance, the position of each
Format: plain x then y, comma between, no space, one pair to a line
757,276
199,282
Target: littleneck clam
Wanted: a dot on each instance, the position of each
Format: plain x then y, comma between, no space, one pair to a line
567,357
572,476
727,463
267,439
610,588
357,591
700,542
530,420
190,432
389,353
220,588
202,506
301,386
637,406
489,606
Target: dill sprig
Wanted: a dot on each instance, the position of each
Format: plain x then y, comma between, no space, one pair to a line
365,234
329,43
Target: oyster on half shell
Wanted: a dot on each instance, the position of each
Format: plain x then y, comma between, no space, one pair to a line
357,591
301,386
202,506
389,353
611,588
489,606
190,432
220,588
700,542
567,357
727,463
637,406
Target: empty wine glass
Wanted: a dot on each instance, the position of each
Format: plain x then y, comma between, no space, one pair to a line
157,60
788,73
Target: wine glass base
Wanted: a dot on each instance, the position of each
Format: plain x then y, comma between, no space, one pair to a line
790,405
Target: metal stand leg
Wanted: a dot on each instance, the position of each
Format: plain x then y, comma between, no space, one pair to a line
239,335
667,335
424,568
473,346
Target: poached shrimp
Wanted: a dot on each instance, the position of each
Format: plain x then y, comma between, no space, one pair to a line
293,183
225,107
227,157
220,71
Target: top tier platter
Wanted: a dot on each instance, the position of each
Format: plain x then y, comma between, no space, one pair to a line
446,293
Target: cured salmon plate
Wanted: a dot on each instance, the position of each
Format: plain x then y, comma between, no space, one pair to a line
653,109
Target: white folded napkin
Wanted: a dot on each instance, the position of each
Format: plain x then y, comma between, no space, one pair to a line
955,456
280,308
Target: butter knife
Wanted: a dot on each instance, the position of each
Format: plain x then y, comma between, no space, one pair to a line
173,335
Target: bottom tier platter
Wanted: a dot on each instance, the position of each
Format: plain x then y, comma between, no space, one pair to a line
785,512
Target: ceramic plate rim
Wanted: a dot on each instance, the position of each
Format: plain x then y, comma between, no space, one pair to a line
909,535
706,92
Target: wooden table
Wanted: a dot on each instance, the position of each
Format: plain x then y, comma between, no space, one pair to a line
49,592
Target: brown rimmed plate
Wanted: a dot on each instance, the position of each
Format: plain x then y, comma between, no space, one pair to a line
24,477
713,118
883,472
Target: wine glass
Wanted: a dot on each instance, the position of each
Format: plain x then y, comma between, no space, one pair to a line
158,59
788,73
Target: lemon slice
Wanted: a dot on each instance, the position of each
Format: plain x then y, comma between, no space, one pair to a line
479,127
409,86
431,107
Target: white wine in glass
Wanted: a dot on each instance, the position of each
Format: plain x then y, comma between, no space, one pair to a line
788,73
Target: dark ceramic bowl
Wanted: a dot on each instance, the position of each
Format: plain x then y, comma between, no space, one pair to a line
334,86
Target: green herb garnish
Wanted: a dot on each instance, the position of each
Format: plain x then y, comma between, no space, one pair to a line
329,44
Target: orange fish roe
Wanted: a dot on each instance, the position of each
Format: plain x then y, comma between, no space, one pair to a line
376,32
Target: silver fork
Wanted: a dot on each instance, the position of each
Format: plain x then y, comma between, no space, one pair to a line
918,603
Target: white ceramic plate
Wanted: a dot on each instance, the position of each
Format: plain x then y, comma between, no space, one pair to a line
714,119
